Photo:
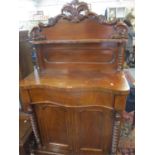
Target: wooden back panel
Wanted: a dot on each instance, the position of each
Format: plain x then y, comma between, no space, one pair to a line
87,29
95,56
79,41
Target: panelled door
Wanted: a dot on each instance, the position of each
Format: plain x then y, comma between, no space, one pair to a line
74,130
54,128
93,130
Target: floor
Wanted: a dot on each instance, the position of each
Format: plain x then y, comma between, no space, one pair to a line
127,139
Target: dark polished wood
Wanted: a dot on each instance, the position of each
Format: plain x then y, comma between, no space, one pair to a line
76,97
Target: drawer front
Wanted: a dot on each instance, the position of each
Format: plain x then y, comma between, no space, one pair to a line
72,97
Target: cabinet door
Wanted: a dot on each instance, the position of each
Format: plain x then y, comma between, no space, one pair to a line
93,130
53,124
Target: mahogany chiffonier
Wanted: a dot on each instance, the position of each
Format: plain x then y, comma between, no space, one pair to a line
76,96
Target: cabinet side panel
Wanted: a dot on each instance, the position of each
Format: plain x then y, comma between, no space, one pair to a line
24,99
120,102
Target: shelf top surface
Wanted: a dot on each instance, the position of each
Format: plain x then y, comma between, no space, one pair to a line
76,79
78,41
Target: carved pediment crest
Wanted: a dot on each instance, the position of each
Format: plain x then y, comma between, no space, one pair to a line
75,11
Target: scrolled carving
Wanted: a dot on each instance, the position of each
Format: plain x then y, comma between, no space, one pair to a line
51,21
121,31
75,11
101,19
35,34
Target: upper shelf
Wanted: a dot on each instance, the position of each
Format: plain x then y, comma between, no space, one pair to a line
78,41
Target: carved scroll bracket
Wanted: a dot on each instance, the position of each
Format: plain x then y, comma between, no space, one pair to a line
121,31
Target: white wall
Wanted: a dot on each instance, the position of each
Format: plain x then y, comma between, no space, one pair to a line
52,8
25,8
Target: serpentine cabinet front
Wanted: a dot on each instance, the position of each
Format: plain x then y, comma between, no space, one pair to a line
74,122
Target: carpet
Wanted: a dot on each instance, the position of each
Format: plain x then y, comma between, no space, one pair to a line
127,136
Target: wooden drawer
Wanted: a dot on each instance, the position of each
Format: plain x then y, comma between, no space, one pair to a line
72,97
